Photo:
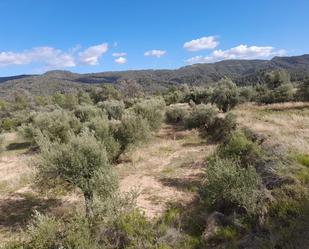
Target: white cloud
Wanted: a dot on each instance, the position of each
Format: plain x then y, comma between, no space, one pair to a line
119,54
91,55
239,52
155,52
206,42
121,60
49,56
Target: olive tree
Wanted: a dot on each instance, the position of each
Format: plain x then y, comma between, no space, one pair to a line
302,93
225,95
81,163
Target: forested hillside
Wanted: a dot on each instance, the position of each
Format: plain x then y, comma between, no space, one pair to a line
242,72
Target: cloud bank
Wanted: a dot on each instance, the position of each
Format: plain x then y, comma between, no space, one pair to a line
206,42
121,60
54,58
155,53
239,52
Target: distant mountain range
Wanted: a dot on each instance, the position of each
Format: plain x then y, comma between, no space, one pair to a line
243,72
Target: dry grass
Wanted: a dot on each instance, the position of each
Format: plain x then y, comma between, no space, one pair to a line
165,170
286,123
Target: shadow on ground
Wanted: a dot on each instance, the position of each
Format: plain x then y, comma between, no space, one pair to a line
18,146
17,210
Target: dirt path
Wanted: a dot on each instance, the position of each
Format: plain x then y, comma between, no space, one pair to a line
166,170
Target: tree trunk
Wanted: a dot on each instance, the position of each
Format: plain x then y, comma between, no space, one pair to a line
88,202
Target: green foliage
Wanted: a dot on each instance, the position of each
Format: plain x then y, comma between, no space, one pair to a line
57,125
302,159
283,93
246,94
202,117
173,96
225,95
21,102
151,110
44,232
9,124
175,114
113,108
134,230
66,101
105,92
84,98
277,78
229,185
86,112
102,131
132,129
238,146
199,95
302,93
221,128
81,162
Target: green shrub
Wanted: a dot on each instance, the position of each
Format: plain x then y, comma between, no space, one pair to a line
238,146
132,130
84,98
246,94
303,159
173,97
302,93
221,128
44,232
202,117
283,93
86,112
134,231
151,110
225,95
57,125
9,124
113,108
230,186
199,95
82,163
66,101
175,114
102,131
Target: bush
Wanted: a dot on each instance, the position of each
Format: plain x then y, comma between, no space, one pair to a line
202,117
225,95
151,110
221,128
102,131
175,114
246,94
9,124
81,163
86,112
132,130
57,125
229,185
173,97
238,146
302,93
199,95
283,93
276,78
113,108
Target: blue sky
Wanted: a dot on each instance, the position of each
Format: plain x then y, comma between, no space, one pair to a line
103,35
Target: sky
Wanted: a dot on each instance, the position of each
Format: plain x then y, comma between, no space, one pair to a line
113,35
